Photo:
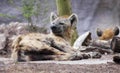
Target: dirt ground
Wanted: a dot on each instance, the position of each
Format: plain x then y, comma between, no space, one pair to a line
103,65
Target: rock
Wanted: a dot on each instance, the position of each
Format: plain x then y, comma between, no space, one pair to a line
3,39
101,43
82,40
8,33
115,44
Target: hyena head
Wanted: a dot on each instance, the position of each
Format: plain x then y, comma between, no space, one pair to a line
63,26
107,33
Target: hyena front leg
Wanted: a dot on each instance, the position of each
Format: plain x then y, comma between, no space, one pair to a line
80,55
56,51
91,55
51,57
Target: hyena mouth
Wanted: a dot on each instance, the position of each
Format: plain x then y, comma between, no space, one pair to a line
58,34
56,27
56,31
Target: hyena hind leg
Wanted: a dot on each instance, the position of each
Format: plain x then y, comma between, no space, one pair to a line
14,55
19,56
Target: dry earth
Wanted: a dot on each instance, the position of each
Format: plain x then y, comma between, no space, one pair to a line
103,65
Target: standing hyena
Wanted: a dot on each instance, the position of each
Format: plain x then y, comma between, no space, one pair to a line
53,46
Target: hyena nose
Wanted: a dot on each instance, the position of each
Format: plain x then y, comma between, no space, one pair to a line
53,27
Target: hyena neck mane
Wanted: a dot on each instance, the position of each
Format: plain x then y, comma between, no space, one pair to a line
63,27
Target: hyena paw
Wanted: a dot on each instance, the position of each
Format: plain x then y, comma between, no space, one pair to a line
96,55
85,56
76,56
91,55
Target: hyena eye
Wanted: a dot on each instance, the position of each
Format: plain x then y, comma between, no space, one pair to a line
61,23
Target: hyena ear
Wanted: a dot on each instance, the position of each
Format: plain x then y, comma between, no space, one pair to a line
116,30
99,32
73,19
53,16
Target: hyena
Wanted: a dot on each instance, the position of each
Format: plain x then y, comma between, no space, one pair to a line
53,46
107,34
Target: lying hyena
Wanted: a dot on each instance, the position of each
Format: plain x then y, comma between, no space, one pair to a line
53,46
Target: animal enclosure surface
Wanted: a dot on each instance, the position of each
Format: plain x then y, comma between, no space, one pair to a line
103,65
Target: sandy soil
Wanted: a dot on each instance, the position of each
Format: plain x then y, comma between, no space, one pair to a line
103,65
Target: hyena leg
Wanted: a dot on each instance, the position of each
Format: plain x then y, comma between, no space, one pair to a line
49,57
65,57
18,55
56,51
14,55
80,55
22,57
91,55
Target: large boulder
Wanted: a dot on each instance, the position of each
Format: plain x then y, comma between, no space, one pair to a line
8,32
